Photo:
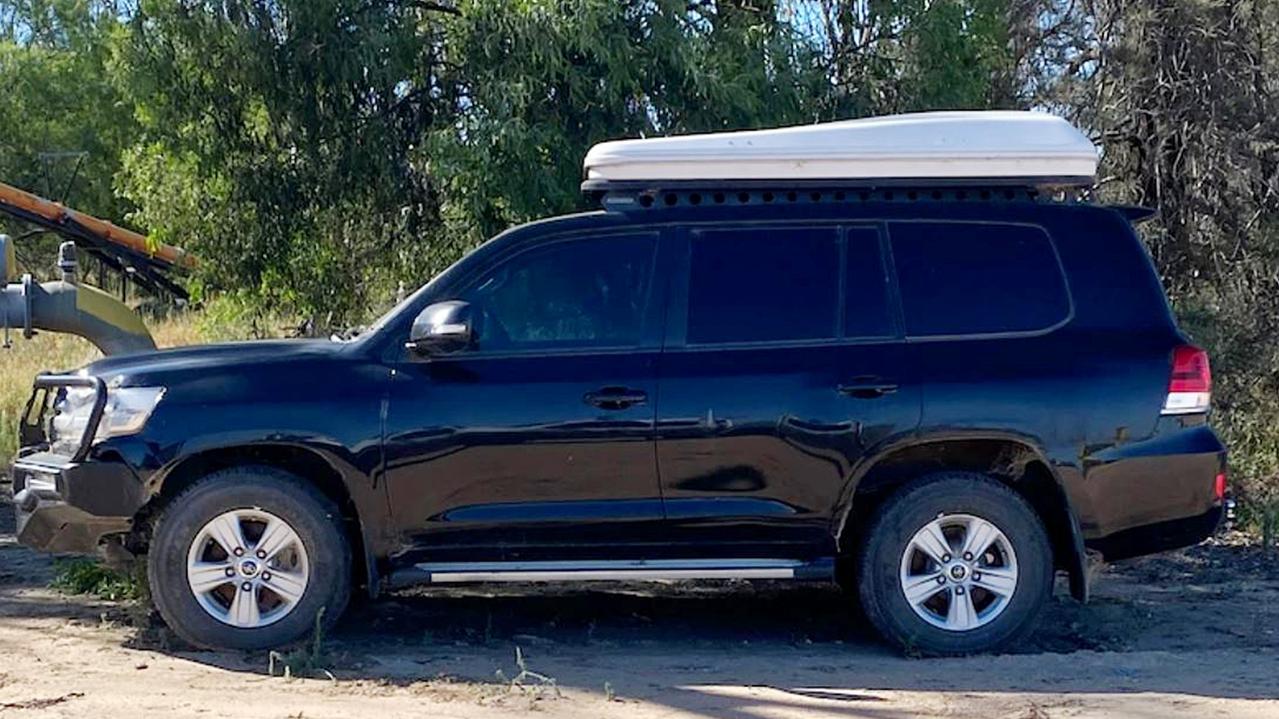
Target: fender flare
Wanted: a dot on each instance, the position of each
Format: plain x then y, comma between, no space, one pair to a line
346,471
1076,560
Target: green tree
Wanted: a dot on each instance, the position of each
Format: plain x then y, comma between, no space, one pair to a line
275,139
889,56
533,85
62,123
315,153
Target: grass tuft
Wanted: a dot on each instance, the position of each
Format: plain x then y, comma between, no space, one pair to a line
89,577
535,685
307,661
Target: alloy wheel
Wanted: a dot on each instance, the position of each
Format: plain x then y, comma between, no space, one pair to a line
247,568
958,572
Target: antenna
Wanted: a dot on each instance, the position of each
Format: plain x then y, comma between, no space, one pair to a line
48,158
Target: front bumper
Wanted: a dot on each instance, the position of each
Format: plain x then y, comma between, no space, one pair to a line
67,506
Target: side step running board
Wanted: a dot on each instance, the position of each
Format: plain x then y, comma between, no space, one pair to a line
615,570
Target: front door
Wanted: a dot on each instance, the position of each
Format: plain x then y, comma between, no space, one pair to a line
537,442
784,366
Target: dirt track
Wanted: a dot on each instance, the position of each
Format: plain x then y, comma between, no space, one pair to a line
1195,634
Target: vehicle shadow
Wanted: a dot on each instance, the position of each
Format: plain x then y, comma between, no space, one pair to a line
697,647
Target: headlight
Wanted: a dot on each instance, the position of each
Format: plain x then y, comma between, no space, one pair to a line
126,412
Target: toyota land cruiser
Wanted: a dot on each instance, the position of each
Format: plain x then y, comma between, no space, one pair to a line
939,396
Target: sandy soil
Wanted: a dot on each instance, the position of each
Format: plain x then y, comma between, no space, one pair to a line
1193,634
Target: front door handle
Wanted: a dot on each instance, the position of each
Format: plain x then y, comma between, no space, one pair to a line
868,387
615,397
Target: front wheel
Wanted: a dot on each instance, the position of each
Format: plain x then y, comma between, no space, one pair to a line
955,563
248,558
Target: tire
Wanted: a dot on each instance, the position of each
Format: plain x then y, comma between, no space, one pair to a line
312,565
1018,557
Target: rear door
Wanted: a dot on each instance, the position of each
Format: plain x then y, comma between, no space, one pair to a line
983,304
784,365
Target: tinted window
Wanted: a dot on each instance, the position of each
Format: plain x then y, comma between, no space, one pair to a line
866,312
767,284
578,293
968,278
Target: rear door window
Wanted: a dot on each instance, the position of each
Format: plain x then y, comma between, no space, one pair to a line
763,284
974,278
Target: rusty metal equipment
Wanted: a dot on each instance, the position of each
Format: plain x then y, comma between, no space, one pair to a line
151,265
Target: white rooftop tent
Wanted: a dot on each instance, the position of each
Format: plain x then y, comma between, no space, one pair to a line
988,147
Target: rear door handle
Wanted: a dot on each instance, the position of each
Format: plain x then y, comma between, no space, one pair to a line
868,388
615,397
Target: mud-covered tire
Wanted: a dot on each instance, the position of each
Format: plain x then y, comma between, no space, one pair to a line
883,566
316,522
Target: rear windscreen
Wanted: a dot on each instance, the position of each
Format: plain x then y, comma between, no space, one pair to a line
960,278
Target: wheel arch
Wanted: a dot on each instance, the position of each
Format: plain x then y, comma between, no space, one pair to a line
304,462
1015,460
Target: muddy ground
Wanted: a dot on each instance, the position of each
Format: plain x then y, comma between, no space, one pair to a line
1191,634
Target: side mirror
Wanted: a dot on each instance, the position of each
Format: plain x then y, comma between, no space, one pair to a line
442,328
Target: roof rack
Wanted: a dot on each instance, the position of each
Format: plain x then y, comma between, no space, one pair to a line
935,149
626,200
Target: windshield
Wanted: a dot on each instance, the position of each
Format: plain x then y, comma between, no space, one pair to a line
399,308
379,323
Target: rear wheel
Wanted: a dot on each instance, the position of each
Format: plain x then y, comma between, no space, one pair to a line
247,558
955,563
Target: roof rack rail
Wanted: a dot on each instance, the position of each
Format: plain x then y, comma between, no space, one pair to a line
741,195
596,187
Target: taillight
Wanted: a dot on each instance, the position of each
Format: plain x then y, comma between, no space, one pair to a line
1219,486
1190,388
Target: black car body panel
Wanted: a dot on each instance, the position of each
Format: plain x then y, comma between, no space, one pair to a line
677,442
273,403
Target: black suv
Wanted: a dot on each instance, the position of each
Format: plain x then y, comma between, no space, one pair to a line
939,398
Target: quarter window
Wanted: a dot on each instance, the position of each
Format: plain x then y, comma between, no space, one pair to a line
571,294
972,278
763,285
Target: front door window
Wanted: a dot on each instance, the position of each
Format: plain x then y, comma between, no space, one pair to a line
575,294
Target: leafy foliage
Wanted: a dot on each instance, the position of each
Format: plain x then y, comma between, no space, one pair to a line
919,54
320,154
533,85
274,141
63,126
88,576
